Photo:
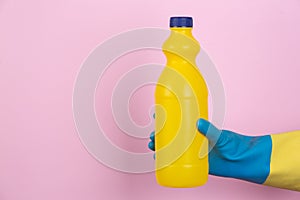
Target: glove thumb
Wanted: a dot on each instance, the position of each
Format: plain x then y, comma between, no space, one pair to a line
209,130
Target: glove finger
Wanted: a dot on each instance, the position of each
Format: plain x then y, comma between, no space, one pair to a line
152,136
151,145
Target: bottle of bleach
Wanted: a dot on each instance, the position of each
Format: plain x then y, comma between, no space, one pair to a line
181,98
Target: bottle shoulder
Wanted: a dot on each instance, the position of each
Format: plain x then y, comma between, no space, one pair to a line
181,74
186,47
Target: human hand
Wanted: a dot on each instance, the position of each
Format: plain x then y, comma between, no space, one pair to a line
234,155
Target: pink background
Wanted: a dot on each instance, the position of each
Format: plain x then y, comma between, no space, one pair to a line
255,45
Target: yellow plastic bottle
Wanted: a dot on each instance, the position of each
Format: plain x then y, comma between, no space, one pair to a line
181,98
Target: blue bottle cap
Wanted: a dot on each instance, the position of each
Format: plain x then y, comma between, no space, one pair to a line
181,22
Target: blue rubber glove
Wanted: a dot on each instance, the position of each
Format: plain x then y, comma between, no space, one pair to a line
235,155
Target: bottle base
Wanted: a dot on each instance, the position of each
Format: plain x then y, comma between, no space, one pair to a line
185,176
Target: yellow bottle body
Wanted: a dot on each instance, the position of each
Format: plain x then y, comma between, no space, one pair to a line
181,98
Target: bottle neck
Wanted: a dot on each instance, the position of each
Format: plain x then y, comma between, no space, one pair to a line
185,31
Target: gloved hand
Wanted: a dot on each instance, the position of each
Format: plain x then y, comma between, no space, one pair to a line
235,155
